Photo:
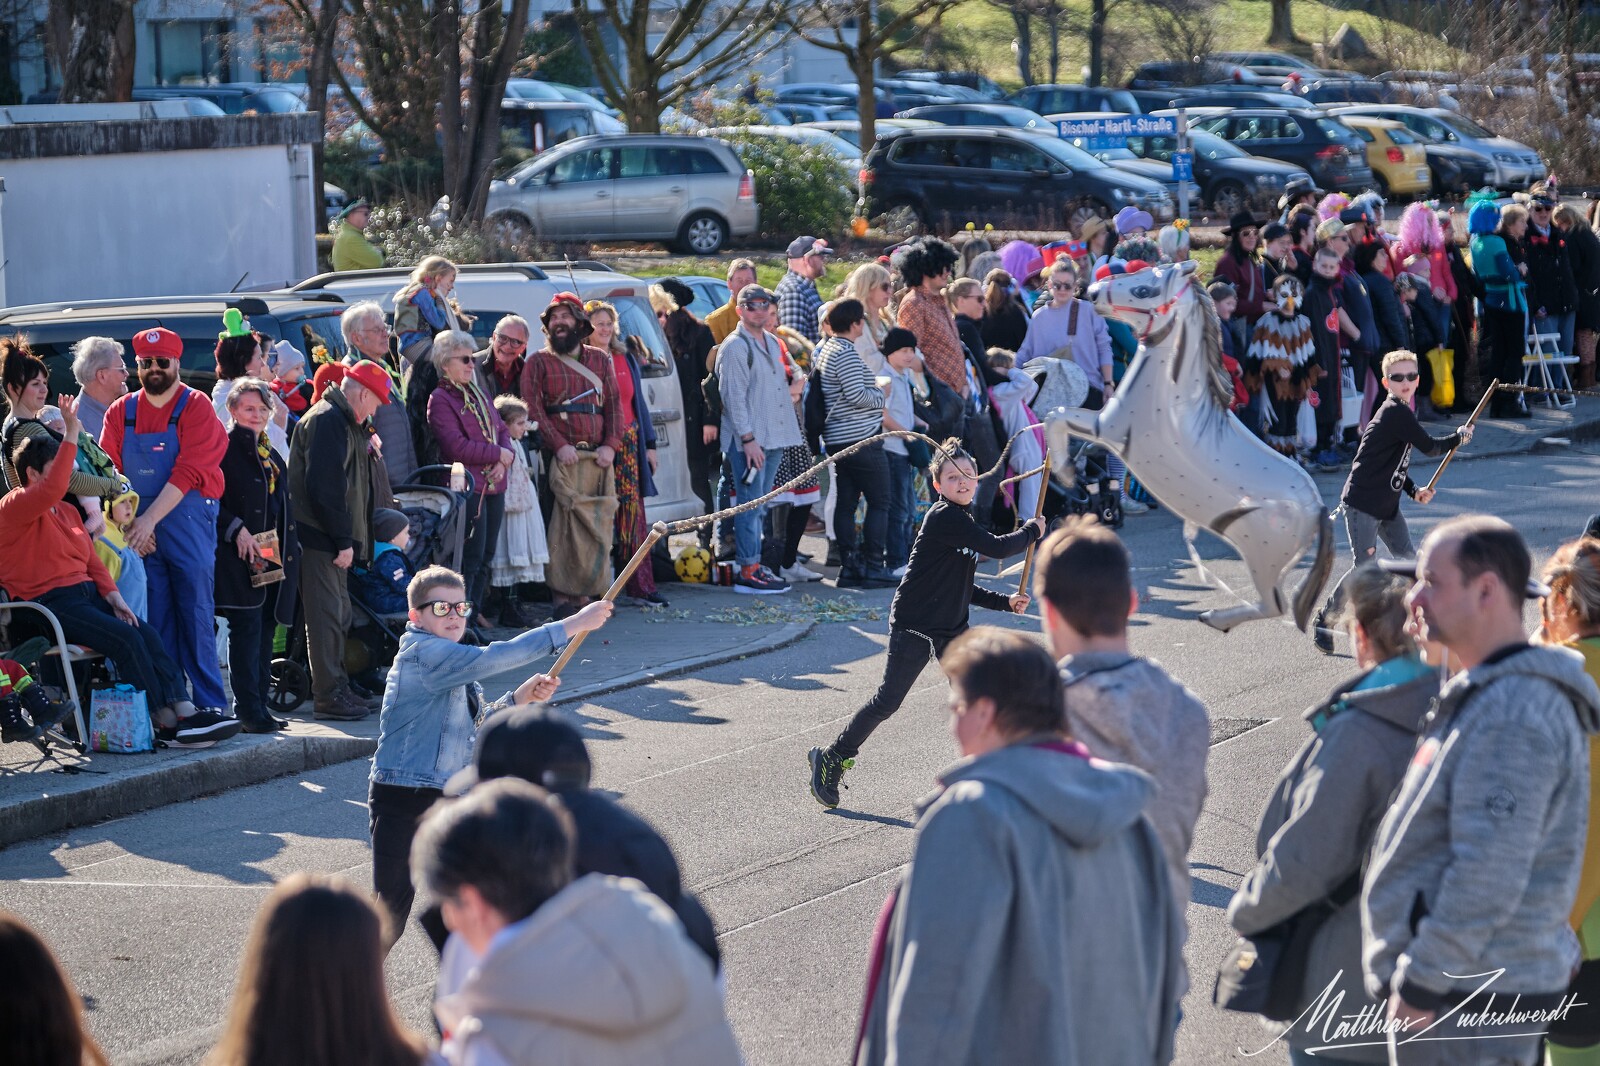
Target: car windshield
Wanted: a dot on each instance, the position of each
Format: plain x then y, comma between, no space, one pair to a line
1108,155
276,102
1468,127
1019,117
1061,151
1211,146
1334,130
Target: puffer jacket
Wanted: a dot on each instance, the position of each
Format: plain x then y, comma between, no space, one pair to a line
1317,828
1477,861
460,435
601,974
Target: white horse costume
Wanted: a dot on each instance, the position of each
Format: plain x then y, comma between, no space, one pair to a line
1170,422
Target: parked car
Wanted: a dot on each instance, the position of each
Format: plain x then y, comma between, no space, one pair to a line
689,191
849,155
306,320
243,98
1270,64
1230,96
1152,100
849,129
493,290
1514,165
795,114
1056,99
529,127
1316,142
1178,75
942,177
709,293
967,79
981,115
1396,157
1124,160
1340,91
1228,178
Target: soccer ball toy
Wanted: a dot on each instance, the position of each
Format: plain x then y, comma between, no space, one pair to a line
693,565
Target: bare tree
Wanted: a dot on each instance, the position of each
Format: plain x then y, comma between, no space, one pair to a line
469,108
1282,31
697,43
826,24
92,44
1181,29
312,28
397,53
1052,17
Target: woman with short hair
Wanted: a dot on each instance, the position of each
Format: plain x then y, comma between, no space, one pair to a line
244,355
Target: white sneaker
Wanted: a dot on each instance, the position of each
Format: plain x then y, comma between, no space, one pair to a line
901,571
798,573
1133,506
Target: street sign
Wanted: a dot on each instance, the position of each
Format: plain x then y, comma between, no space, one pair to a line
1182,166
1113,132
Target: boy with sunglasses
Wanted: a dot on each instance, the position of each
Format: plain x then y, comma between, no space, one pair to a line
432,707
1378,475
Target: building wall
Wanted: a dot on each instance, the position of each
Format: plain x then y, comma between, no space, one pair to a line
153,222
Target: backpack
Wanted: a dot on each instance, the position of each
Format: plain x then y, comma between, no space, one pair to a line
815,411
711,387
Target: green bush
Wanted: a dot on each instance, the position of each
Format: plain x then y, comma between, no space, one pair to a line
801,188
418,182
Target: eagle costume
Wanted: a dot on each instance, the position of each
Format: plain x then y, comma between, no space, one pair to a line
1282,363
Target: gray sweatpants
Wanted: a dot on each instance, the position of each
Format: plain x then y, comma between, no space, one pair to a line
1364,532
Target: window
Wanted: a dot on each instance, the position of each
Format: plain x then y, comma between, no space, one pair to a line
1334,130
561,126
1015,158
192,51
1401,137
593,165
1365,133
703,162
933,152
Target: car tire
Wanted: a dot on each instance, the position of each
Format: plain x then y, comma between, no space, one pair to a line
510,227
902,218
1228,199
702,233
1083,211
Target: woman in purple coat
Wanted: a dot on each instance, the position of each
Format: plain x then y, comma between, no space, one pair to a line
470,431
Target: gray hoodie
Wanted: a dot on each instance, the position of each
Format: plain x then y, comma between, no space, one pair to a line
1314,832
1033,925
1476,863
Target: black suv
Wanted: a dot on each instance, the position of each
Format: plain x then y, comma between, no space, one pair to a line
942,177
305,320
1335,157
1068,99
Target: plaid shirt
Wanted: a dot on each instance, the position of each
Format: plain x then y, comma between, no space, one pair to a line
929,318
798,304
549,382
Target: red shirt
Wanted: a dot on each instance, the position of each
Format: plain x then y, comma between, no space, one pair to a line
58,552
619,363
202,441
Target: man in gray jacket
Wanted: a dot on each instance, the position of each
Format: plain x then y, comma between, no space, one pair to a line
1477,862
1035,923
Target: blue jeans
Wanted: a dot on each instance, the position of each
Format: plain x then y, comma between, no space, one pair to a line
747,525
902,505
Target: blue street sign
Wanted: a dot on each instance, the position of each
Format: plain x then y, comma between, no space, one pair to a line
1102,133
1182,166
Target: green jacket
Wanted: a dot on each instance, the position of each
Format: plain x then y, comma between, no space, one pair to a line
352,251
333,513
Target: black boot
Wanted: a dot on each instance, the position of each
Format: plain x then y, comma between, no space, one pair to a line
45,714
852,574
15,727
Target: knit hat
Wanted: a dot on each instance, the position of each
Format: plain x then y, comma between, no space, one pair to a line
283,357
387,524
1272,231
571,302
372,377
351,208
897,338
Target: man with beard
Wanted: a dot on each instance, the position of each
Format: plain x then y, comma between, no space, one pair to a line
167,441
575,387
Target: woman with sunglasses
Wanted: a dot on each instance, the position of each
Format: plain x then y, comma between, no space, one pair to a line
1378,475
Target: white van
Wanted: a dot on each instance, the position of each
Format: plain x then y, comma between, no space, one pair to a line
491,291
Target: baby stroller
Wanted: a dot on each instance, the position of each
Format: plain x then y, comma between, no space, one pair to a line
1094,491
437,515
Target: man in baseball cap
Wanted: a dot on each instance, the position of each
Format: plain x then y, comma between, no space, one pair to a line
168,442
797,296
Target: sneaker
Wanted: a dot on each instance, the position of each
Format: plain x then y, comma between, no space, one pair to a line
900,571
200,730
757,580
1133,506
826,770
798,574
1329,461
1321,635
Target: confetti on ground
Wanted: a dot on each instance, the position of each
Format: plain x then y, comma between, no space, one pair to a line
805,608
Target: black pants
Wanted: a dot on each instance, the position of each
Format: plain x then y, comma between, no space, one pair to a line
140,659
866,473
1506,332
482,540
909,652
250,634
393,812
794,529
704,466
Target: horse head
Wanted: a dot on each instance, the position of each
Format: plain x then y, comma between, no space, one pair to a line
1145,300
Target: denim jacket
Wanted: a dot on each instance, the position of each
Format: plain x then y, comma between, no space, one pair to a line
433,704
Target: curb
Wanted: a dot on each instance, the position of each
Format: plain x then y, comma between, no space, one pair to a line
280,755
1587,429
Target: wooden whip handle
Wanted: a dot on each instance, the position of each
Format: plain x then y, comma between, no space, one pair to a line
657,531
1038,512
1487,393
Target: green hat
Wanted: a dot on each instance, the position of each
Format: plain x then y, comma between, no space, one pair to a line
234,324
352,206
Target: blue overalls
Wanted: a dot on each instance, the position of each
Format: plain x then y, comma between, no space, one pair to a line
181,573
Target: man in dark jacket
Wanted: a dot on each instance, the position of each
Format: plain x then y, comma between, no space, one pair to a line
530,743
1552,290
334,515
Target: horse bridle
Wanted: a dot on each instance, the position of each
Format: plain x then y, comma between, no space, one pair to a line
1150,316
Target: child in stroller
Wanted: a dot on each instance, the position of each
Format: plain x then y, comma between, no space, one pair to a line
381,585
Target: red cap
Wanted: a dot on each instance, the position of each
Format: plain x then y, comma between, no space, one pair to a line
373,376
568,298
157,342
1102,272
1136,265
327,374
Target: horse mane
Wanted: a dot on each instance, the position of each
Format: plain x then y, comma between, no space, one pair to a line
1219,380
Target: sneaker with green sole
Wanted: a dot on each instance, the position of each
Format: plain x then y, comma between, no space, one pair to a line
826,770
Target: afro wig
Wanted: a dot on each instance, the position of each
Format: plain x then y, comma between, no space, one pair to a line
1330,205
926,257
1420,231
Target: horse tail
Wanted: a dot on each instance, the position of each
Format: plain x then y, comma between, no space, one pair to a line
1309,593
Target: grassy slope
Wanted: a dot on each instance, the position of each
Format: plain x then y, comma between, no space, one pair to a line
982,32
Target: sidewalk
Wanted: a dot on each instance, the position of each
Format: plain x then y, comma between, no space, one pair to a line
703,627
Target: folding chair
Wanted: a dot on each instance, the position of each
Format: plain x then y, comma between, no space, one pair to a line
69,656
1544,356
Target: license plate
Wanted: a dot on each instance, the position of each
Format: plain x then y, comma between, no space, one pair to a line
1424,175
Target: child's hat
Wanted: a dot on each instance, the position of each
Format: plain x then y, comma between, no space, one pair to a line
387,524
897,338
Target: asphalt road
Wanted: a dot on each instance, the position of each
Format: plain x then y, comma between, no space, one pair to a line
149,912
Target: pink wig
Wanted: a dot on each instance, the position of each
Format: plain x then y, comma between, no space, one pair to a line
1420,231
1330,205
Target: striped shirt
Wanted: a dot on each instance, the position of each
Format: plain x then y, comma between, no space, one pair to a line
798,304
855,403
